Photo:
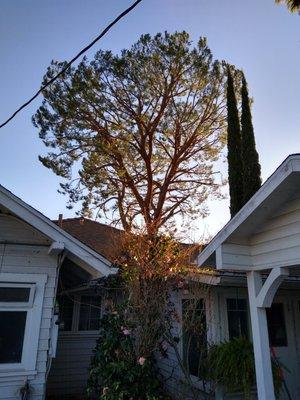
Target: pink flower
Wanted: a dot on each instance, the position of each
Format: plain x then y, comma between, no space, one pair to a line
141,360
125,331
104,391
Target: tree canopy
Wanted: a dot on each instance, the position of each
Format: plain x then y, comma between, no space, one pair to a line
251,165
234,153
135,135
292,5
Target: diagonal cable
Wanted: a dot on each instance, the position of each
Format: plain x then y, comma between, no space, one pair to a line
120,16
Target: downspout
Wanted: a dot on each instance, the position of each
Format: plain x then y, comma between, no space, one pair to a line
60,259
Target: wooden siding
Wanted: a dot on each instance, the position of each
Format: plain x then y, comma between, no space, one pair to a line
29,257
274,243
69,371
277,240
12,229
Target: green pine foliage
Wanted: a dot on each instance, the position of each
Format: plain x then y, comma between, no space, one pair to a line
234,156
135,135
292,5
251,165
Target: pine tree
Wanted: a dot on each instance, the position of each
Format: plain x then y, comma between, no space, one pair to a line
234,156
251,165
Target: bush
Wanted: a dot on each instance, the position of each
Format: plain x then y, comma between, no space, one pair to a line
117,372
231,364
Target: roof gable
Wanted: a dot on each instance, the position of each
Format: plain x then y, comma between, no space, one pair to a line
280,186
78,251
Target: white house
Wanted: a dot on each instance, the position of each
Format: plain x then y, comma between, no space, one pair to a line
34,255
262,241
255,258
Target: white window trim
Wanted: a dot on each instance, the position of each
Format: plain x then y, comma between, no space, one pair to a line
75,320
197,382
33,321
18,304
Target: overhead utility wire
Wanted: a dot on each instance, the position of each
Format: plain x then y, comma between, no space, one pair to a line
72,61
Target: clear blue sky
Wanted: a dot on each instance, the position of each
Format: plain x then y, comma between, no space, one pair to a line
256,35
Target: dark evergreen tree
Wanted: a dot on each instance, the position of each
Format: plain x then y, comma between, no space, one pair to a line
251,165
234,156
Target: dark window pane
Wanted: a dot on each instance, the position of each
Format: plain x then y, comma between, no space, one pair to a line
236,304
90,313
194,334
237,318
12,328
14,294
276,325
66,305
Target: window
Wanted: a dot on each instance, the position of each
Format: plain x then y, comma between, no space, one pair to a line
237,314
13,296
89,313
12,329
79,313
16,294
276,325
9,294
21,300
194,334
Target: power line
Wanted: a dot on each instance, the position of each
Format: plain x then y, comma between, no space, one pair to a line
72,61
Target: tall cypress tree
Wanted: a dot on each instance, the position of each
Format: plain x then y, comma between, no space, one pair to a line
234,156
251,165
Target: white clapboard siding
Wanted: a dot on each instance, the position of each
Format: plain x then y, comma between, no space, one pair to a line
28,255
278,239
69,371
13,229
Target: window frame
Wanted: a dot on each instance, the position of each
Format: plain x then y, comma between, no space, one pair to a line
195,379
33,308
247,311
18,304
283,324
74,331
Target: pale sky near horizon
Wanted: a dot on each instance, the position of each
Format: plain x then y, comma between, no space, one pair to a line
255,35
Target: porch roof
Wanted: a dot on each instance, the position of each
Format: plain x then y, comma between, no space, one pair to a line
282,185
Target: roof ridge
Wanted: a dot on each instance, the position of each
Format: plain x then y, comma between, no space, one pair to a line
89,220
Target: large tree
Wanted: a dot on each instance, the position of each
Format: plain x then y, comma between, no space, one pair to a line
135,135
251,165
234,149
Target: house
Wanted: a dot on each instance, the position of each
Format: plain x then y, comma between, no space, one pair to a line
80,308
262,242
36,258
251,280
250,274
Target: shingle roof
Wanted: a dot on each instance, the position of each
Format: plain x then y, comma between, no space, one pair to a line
100,237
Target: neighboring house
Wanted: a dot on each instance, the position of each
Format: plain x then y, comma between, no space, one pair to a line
253,267
36,254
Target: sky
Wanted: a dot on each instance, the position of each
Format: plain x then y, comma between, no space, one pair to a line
257,36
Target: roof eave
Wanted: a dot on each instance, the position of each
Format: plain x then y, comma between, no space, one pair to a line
291,164
77,249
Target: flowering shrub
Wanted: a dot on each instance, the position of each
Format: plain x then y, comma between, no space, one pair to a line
150,268
117,372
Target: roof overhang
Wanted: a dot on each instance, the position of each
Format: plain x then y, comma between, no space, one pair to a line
279,188
76,250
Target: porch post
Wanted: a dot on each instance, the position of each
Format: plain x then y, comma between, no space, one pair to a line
263,368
